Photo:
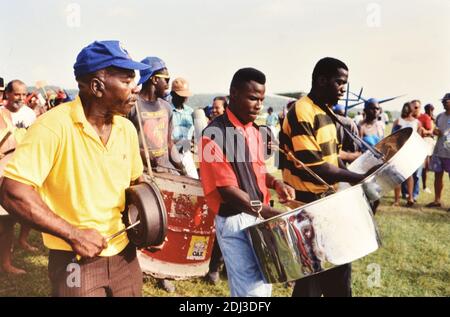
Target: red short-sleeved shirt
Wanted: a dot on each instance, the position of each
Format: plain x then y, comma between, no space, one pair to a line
216,171
426,121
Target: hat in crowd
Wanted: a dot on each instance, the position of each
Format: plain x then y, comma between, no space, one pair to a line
155,64
429,107
102,54
370,101
446,97
339,108
181,87
2,84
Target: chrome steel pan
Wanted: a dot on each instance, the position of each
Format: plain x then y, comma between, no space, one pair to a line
404,151
332,231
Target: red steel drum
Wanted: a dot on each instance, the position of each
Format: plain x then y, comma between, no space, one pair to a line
190,231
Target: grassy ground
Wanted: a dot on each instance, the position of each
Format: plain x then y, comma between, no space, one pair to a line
414,259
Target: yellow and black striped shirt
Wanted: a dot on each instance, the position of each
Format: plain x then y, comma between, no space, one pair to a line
311,135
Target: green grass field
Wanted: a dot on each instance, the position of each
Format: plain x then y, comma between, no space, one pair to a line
413,261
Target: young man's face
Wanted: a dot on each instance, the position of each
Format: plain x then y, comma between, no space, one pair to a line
247,101
333,88
161,82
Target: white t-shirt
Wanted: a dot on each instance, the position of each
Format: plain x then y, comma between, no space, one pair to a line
26,115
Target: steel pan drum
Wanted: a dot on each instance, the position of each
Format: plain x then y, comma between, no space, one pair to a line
404,151
331,231
190,231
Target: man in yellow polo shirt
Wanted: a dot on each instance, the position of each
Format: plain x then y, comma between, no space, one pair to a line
310,133
68,178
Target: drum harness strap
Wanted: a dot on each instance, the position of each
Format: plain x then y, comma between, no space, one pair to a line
234,146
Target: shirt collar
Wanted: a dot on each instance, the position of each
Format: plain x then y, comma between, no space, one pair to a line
235,121
78,116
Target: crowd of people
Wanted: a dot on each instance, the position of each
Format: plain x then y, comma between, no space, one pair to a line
86,151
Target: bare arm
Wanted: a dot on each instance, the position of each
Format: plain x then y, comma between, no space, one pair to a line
23,202
241,200
333,174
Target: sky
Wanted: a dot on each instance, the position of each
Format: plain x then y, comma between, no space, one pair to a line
390,47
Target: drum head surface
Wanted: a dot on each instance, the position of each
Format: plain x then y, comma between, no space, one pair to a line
144,203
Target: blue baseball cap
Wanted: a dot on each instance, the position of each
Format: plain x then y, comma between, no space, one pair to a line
338,108
371,101
101,54
154,64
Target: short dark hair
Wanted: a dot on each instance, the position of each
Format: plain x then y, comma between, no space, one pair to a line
327,66
429,107
9,86
245,75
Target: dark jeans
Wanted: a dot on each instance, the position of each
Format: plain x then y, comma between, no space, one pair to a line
336,282
119,275
216,257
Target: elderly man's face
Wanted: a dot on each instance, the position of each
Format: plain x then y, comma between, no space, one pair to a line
120,90
16,98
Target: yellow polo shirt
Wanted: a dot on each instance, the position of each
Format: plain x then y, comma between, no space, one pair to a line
79,178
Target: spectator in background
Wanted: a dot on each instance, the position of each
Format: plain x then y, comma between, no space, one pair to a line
2,90
218,106
183,124
371,129
426,119
15,116
208,111
440,161
272,121
17,111
416,107
383,117
349,150
406,120
358,118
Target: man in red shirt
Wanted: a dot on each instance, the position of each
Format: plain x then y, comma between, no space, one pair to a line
235,181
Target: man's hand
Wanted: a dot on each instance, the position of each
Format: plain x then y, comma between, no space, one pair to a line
269,212
372,170
87,243
284,191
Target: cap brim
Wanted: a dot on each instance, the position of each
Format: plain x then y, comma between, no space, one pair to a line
183,93
144,78
130,64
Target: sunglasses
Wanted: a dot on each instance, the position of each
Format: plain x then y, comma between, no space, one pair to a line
166,77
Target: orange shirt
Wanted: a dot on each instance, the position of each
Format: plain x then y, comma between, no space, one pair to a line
216,171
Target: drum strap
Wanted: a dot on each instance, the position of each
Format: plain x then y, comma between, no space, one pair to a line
234,146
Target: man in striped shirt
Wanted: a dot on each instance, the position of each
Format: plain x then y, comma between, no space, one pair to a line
310,134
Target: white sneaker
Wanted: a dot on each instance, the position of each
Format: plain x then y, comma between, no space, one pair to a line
427,190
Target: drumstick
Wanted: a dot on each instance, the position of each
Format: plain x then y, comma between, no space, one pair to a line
109,238
300,164
122,231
